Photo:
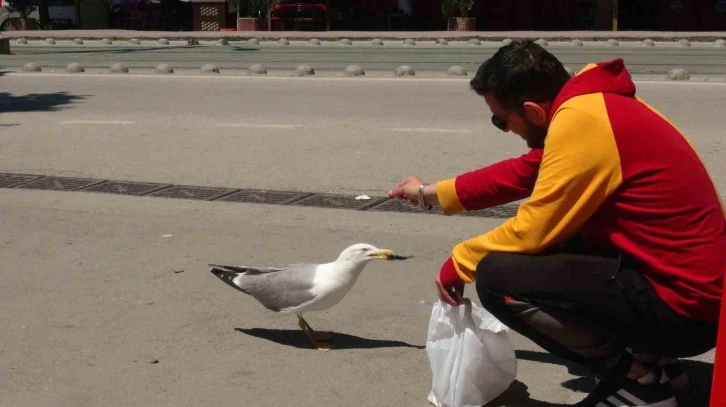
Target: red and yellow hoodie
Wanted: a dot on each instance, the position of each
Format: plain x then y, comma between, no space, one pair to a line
615,169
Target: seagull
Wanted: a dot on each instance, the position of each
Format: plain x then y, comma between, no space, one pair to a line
303,287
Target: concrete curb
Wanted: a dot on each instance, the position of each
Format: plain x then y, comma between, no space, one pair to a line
552,36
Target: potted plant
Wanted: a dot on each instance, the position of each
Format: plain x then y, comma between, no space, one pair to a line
23,8
458,15
251,14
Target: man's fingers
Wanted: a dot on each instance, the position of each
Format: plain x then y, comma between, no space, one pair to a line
396,192
445,296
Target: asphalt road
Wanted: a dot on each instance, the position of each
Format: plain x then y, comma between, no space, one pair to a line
700,58
312,134
107,299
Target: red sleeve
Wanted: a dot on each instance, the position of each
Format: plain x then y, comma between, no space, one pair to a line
496,184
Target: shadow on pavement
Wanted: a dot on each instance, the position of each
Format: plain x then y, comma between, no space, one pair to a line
34,102
543,357
518,396
297,338
699,373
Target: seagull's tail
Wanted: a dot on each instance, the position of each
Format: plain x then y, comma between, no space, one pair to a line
226,275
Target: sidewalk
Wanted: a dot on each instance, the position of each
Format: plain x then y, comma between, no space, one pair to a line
417,35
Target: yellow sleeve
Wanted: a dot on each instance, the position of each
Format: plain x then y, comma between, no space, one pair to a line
580,169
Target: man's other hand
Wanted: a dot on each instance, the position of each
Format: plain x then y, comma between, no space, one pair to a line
449,295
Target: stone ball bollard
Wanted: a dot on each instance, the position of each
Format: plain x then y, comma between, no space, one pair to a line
442,41
256,69
409,42
507,41
648,42
21,41
283,41
314,41
720,43
106,41
135,41
119,68
678,74
50,41
613,43
377,42
354,70
345,41
31,67
78,41
541,42
192,42
222,42
75,67
577,43
304,70
253,41
162,41
684,42
163,69
404,70
209,69
473,42
456,70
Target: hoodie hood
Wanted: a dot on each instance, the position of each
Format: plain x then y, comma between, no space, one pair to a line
605,77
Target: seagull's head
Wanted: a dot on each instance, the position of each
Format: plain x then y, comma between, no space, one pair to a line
364,252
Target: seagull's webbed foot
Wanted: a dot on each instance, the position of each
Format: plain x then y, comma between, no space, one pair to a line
320,340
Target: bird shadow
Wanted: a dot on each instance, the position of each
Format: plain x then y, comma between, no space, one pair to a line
341,341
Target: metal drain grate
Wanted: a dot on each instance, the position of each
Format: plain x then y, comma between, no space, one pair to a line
262,196
399,205
503,211
126,187
12,180
60,183
192,192
337,201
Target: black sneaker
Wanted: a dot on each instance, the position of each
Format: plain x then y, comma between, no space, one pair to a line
672,370
630,393
674,373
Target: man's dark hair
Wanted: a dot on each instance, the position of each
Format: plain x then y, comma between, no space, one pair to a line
519,72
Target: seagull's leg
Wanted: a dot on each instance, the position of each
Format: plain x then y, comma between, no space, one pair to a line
320,342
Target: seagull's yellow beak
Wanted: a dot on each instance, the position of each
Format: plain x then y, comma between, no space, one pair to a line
386,254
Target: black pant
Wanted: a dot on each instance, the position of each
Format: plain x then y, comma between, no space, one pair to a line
586,308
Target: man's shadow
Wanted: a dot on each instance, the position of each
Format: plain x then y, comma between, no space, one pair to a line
296,338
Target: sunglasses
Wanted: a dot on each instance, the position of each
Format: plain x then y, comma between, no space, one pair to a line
500,123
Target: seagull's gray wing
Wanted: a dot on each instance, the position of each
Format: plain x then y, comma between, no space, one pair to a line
250,270
276,288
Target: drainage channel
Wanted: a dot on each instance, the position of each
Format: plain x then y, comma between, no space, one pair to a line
240,195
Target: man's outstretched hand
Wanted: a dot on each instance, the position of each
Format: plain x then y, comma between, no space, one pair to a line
407,189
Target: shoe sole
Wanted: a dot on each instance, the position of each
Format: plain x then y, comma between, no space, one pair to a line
624,399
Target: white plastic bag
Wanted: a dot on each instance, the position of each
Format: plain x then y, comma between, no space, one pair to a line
471,355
